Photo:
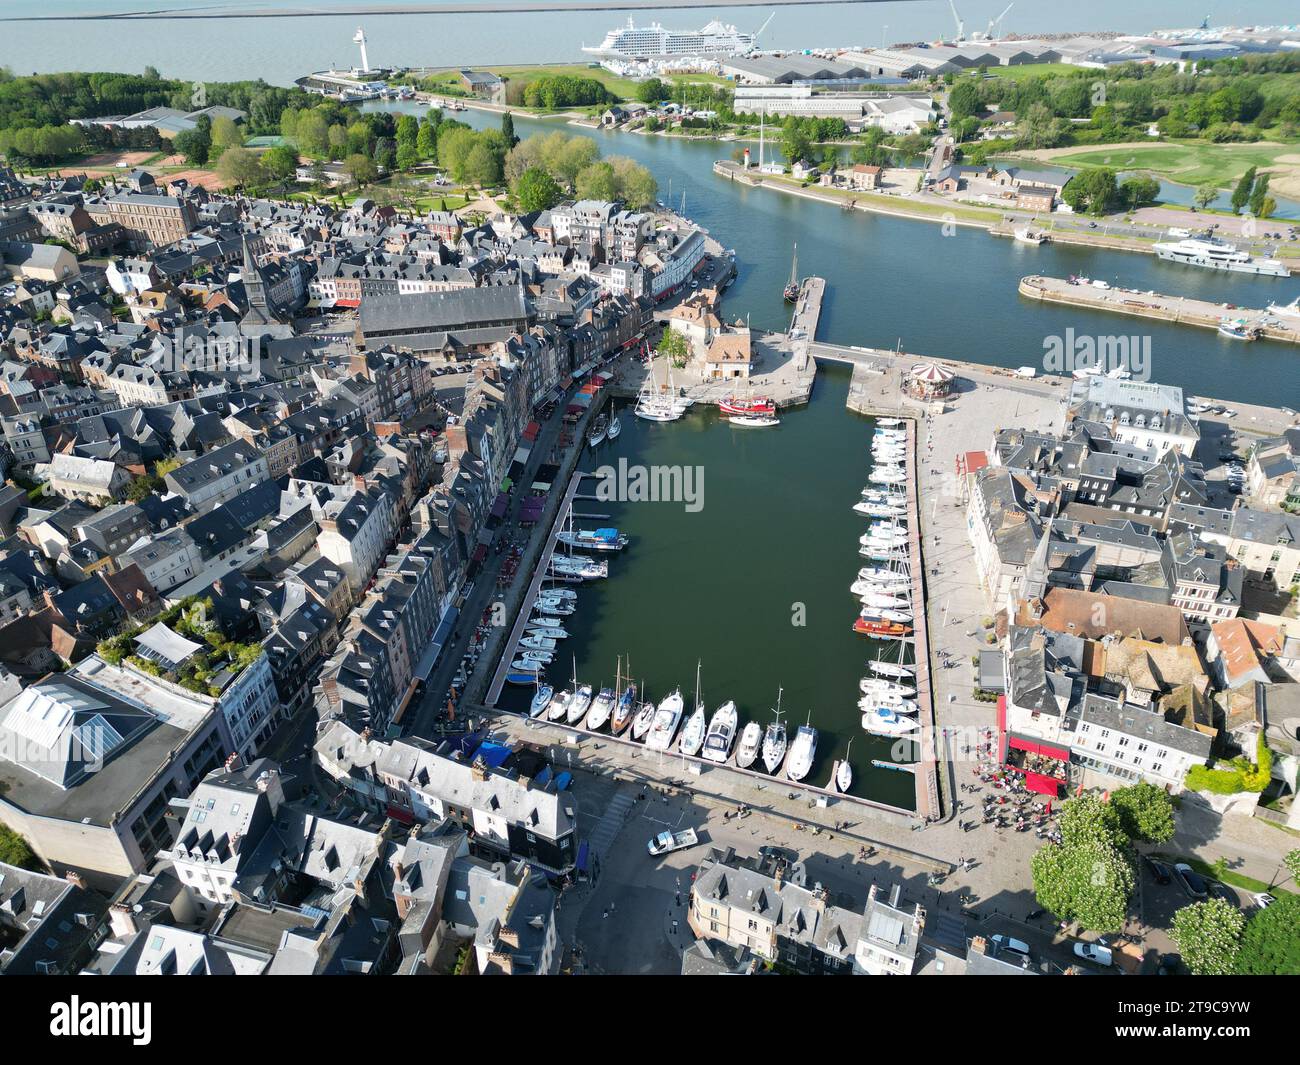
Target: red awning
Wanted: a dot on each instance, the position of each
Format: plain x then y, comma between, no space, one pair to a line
480,553
1034,747
1042,784
398,814
347,303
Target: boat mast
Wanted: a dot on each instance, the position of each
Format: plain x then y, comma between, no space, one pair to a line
698,663
794,268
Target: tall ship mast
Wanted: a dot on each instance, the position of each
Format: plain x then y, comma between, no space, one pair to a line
792,289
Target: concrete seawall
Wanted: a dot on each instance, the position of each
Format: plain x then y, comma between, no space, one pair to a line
1178,309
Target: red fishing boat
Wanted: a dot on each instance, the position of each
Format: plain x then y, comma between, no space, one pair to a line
881,628
753,405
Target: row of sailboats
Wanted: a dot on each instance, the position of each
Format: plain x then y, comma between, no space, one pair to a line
716,738
885,588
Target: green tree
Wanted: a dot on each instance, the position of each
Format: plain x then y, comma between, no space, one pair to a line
482,166
637,187
142,486
1241,194
1039,128
1258,195
1089,882
1093,191
966,99
1139,191
1292,863
1088,819
426,141
408,157
14,850
225,134
360,169
1205,195
597,182
195,144
651,91
508,130
795,143
280,162
1146,812
1270,945
241,168
1208,935
673,346
536,190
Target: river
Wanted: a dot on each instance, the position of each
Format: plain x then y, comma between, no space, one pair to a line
896,281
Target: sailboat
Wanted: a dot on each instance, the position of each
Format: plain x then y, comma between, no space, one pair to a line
774,740
653,405
580,704
792,289
643,720
541,700
624,710
882,721
598,430
693,734
615,427
844,771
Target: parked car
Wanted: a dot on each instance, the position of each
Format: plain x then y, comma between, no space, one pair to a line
1159,871
1094,953
1264,900
1191,881
1011,946
1222,891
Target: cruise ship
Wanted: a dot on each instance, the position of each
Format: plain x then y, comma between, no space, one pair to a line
1216,254
647,42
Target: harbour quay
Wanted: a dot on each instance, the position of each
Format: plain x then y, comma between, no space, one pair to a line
1265,323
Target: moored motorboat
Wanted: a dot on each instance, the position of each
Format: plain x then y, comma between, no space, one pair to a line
692,737
774,743
598,431
721,734
882,687
883,722
560,705
602,706
798,763
594,539
881,628
751,739
667,717
754,421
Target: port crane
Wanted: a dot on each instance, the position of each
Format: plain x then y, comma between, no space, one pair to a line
961,26
764,26
990,34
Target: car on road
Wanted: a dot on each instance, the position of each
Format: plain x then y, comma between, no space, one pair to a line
1159,871
1264,900
1011,946
1191,881
1093,952
666,842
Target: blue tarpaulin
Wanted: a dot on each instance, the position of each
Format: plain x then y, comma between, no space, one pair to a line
542,777
563,781
494,754
584,856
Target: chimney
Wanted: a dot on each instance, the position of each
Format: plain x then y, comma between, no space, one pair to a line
233,763
509,937
75,879
979,945
479,770
504,960
121,920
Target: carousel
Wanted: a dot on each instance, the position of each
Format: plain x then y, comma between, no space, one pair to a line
928,380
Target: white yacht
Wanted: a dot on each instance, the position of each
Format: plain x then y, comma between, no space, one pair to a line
560,706
601,708
642,721
722,733
541,700
580,704
692,738
647,42
1215,254
751,739
666,720
798,763
884,722
1286,310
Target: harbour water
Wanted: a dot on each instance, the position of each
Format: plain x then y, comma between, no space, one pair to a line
754,583
936,292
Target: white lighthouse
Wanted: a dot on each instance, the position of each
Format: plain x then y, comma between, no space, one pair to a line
360,38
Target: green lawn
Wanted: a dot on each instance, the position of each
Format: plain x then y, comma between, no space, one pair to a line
1187,162
624,88
1238,880
1032,70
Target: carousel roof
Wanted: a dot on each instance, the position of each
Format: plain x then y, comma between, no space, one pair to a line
931,373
